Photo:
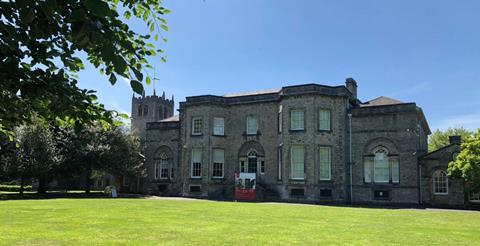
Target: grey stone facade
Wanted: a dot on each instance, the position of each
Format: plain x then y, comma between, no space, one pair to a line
149,109
437,161
399,129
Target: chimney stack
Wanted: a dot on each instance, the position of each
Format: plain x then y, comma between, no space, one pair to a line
351,85
457,140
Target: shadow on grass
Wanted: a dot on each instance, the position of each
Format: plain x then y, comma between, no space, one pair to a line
76,194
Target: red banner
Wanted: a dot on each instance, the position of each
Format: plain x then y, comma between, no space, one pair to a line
245,186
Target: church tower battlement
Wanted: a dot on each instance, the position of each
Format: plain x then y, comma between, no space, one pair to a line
150,109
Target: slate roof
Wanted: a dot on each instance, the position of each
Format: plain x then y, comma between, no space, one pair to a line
381,101
174,118
252,93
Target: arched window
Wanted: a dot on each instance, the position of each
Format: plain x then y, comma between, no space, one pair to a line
440,182
382,167
252,161
145,110
140,110
162,167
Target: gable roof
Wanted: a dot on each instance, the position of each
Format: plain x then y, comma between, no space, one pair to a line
453,147
380,101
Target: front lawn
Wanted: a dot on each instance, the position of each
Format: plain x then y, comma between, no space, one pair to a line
158,221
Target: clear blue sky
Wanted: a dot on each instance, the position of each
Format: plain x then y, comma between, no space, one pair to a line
426,52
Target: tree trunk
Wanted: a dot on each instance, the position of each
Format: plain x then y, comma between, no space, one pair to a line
42,185
88,184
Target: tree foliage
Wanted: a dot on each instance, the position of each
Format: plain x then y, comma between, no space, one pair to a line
467,163
47,152
440,139
37,156
41,43
95,148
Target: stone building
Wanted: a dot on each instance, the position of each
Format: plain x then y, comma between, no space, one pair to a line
145,109
149,109
305,143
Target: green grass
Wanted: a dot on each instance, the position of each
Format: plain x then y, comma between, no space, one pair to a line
177,222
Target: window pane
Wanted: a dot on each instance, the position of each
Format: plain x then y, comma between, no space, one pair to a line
381,170
325,163
218,126
252,164
280,123
164,166
298,164
440,182
395,170
218,162
218,155
324,120
297,120
196,162
197,125
367,166
252,127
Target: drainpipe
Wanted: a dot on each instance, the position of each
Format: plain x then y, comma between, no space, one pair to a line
420,185
350,156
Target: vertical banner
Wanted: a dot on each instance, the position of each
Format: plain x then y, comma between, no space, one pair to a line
245,186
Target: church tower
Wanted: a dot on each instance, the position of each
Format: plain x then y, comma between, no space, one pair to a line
149,109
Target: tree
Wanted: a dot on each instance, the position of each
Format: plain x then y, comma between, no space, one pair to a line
37,155
84,150
440,139
123,157
467,163
95,148
41,43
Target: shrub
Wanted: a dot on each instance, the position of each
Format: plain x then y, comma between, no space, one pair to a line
15,188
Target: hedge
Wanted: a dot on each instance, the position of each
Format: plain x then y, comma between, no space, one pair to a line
15,188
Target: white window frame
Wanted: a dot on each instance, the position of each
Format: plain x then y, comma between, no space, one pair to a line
252,125
218,162
252,155
474,197
368,169
434,182
292,162
329,162
198,131
242,165
163,163
380,151
193,162
328,121
294,121
218,126
394,166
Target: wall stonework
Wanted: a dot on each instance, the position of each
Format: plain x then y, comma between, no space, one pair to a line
436,161
147,109
399,127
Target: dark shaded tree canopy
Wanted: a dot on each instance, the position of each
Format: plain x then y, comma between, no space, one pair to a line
40,43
